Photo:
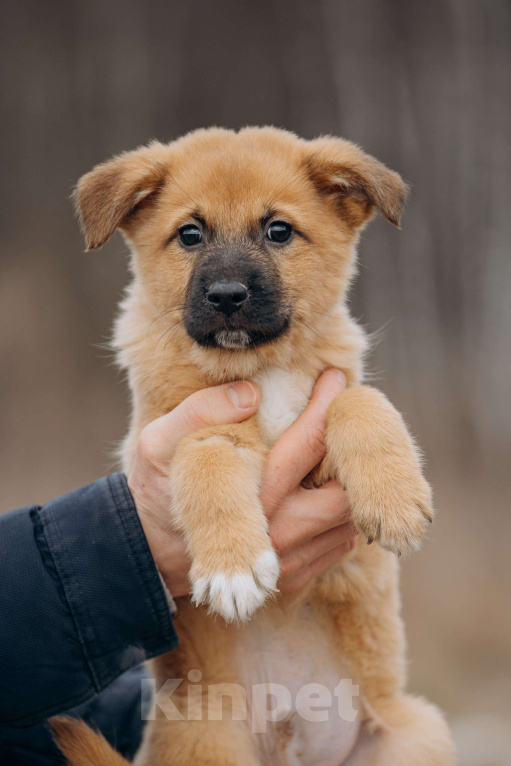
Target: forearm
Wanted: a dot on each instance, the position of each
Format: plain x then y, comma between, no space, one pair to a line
80,600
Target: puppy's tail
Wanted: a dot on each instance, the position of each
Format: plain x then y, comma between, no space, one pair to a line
82,746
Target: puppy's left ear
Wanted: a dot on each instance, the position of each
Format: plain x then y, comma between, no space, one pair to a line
108,196
358,182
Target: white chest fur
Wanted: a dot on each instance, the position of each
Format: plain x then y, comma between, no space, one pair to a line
293,652
284,396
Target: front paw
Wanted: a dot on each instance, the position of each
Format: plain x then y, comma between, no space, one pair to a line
394,515
236,594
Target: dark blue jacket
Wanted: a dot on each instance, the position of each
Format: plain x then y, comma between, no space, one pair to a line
81,605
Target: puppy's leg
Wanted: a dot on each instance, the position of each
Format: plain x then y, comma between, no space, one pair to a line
415,735
215,476
370,451
204,717
360,596
199,743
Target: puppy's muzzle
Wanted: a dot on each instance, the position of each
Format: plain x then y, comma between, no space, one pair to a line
227,297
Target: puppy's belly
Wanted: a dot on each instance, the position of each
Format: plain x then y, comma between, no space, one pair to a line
284,396
293,650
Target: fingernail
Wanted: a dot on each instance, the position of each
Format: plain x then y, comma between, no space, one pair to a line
242,394
342,377
334,383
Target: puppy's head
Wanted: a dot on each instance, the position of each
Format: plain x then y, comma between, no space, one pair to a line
246,239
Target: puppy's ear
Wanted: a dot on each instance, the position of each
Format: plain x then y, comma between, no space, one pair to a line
110,193
358,181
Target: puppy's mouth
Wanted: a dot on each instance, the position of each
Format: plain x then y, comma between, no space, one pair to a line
239,339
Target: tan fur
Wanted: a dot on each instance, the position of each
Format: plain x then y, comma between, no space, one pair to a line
327,188
81,746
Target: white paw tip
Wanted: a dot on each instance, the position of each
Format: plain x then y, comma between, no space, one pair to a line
235,597
267,570
200,590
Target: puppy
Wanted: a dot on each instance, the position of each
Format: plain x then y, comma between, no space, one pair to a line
244,246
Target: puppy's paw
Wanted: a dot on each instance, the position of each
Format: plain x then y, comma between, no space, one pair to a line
236,595
395,516
371,452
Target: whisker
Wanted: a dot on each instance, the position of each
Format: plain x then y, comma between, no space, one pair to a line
321,337
170,328
376,337
175,328
161,315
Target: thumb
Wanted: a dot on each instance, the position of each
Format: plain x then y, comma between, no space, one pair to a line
219,405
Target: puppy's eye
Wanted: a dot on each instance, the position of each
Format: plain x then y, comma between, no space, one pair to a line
279,232
190,235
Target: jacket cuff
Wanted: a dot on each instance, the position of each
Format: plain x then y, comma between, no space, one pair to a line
93,541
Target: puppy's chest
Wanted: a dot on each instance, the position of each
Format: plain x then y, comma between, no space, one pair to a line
284,396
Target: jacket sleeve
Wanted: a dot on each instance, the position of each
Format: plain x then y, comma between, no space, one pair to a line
81,600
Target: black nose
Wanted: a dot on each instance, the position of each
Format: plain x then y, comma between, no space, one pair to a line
227,297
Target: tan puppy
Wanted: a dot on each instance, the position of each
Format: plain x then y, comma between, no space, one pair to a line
243,250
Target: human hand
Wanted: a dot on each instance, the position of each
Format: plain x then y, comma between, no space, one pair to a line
309,528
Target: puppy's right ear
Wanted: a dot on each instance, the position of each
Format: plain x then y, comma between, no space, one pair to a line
105,197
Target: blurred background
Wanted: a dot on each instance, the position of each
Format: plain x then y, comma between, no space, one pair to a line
425,87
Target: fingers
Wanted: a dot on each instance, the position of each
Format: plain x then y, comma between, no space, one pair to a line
302,446
293,579
328,559
306,553
307,513
215,406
